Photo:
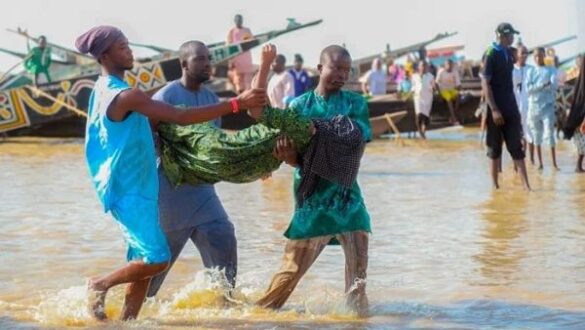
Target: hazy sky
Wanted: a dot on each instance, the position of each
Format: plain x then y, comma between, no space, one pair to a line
365,26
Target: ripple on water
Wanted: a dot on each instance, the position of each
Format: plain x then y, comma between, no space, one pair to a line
446,251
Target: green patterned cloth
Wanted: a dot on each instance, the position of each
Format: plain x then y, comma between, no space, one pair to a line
324,212
202,153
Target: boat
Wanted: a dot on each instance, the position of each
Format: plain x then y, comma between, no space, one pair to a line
57,108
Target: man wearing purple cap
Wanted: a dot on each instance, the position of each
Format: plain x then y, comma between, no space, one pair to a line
504,123
121,159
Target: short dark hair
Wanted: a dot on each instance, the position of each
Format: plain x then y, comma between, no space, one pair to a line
188,48
328,51
281,58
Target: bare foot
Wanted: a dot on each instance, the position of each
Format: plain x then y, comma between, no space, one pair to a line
359,304
96,301
579,170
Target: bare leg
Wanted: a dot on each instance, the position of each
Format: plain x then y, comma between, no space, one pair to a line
355,248
539,154
135,294
423,131
554,158
135,271
579,168
456,108
523,173
531,152
419,128
453,119
495,168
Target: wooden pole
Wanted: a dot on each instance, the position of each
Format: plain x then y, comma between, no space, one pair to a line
14,67
50,97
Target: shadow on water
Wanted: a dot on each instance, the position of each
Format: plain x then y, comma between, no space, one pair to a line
502,251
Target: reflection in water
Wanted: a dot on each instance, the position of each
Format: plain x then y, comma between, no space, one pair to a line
505,221
446,251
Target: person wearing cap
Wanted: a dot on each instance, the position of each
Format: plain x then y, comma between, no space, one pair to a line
121,158
504,123
300,76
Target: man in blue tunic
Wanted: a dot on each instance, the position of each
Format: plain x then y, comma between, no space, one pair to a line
121,159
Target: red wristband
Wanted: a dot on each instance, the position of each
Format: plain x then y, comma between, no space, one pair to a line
235,105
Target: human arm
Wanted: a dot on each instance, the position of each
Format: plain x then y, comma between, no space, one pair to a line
486,76
267,56
364,82
489,97
47,57
535,85
437,81
137,100
229,39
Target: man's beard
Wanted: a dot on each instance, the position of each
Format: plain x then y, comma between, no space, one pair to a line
201,78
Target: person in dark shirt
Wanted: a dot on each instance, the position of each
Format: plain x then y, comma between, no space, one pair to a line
503,117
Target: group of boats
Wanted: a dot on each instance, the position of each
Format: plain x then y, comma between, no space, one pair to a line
58,108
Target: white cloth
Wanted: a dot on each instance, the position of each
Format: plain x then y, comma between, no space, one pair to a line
520,78
423,93
376,81
448,80
280,87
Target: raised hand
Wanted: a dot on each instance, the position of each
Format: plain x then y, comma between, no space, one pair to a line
267,55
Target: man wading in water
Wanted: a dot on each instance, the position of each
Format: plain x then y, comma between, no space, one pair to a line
330,214
121,159
503,118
